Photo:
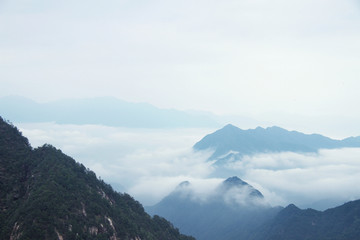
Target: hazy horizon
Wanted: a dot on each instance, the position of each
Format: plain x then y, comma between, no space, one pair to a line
292,64
336,128
279,61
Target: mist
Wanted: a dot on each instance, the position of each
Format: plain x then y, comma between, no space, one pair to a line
149,164
318,180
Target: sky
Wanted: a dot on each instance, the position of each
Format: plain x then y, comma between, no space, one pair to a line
269,59
294,64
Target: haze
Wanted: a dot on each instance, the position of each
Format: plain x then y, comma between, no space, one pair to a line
258,58
293,64
150,163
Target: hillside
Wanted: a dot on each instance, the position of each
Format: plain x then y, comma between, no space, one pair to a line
45,194
233,142
340,223
233,210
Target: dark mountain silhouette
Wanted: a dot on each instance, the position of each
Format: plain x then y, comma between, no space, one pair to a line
102,110
340,223
232,211
231,142
45,194
242,214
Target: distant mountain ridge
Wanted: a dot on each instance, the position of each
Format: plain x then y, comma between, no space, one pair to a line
102,110
231,141
220,219
232,211
339,223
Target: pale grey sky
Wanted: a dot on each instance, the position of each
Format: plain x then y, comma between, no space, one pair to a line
265,59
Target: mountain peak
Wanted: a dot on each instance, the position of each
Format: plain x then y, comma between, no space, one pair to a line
229,126
276,128
235,181
291,208
183,184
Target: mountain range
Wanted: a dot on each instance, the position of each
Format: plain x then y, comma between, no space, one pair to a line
236,210
233,210
107,111
45,194
232,143
339,223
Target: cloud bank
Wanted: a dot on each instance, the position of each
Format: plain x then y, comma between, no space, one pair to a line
149,164
308,180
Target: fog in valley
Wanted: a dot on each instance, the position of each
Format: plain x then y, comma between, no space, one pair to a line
150,163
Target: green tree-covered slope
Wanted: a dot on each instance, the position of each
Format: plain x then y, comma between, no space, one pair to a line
45,194
339,223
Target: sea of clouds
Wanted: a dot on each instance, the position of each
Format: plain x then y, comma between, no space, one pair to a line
150,163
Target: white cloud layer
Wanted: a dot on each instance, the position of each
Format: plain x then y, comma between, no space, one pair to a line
308,180
149,164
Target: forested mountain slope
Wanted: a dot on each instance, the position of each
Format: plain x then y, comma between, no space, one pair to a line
45,194
339,223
